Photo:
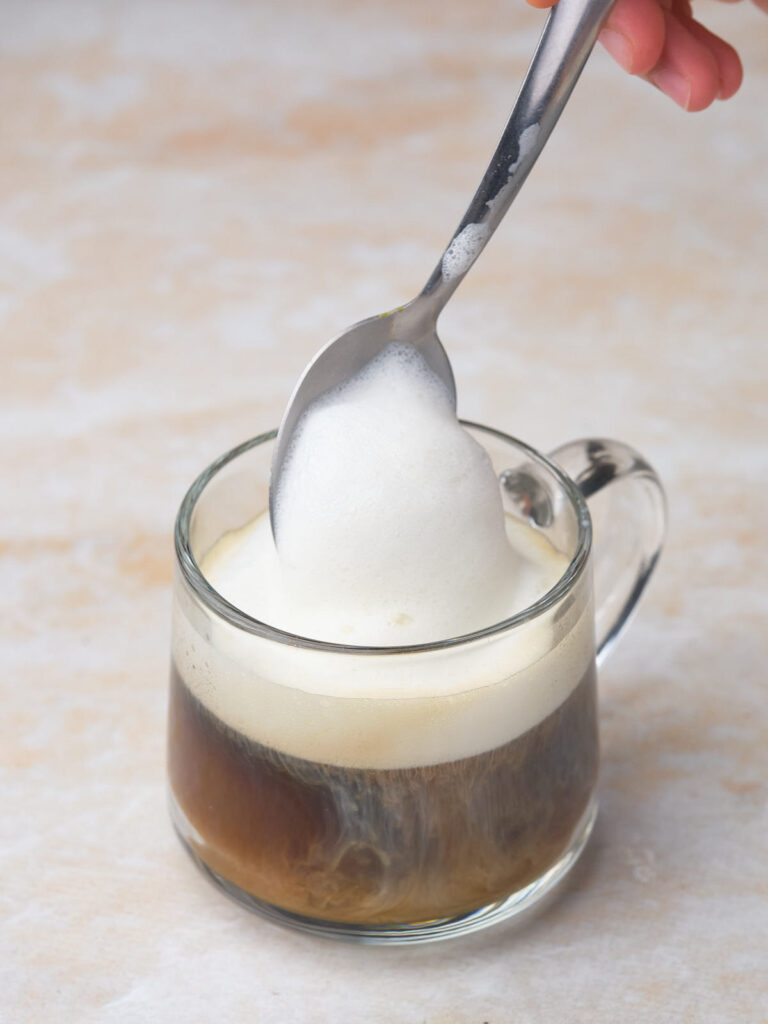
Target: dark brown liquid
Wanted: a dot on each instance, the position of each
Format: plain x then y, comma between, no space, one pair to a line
377,846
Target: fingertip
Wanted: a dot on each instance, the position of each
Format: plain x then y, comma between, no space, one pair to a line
704,90
672,84
700,97
619,47
730,70
541,4
640,28
687,71
731,77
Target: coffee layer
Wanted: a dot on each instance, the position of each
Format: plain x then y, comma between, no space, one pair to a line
382,846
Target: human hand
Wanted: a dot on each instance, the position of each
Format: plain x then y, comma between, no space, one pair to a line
662,42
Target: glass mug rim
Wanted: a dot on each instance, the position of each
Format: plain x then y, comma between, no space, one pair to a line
234,616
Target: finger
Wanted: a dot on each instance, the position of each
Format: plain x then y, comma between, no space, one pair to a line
687,71
634,34
728,62
762,4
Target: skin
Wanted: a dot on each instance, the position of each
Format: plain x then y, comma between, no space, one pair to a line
660,40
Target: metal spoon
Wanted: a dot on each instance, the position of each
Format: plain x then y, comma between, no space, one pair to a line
565,44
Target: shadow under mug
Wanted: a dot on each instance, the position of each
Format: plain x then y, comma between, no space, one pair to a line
402,794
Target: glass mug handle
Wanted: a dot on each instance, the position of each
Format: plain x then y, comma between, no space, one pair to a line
628,510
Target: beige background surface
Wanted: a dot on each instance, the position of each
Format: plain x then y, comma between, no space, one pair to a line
193,197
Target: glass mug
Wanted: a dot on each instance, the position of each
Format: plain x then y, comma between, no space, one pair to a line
407,793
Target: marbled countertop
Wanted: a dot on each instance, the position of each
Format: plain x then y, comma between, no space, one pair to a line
194,197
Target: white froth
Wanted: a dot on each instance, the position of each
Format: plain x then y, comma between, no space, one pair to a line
384,711
526,143
464,250
245,568
389,521
375,711
391,533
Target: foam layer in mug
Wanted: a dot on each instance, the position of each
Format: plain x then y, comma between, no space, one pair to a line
391,532
397,710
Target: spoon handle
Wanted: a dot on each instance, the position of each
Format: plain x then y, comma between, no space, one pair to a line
565,44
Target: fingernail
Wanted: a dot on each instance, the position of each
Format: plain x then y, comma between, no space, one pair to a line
673,85
619,47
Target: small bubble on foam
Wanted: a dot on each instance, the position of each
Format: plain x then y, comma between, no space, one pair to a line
464,250
525,145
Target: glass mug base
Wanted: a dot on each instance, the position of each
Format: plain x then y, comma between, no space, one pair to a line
514,905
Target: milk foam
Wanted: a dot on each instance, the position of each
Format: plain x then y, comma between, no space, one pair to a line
464,250
388,710
391,533
389,521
